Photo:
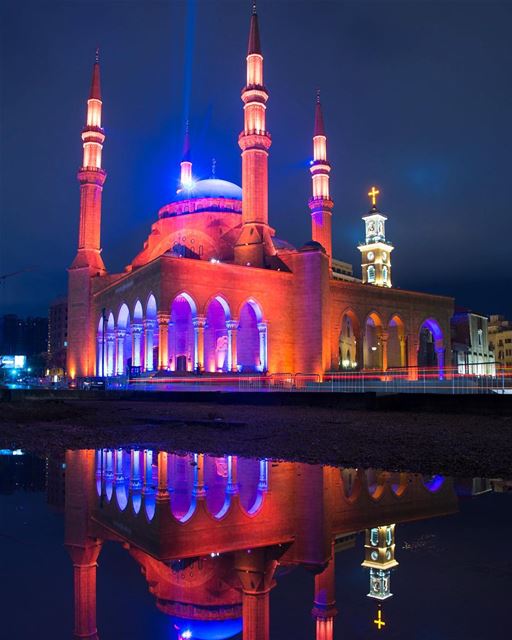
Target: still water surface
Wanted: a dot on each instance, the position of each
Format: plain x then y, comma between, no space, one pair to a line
148,544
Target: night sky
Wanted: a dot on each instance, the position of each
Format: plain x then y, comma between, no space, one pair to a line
417,99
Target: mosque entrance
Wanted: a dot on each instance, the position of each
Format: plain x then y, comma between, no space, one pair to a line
181,363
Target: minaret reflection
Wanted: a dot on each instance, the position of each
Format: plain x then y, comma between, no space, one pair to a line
209,532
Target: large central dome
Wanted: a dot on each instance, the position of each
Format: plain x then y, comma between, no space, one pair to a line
211,188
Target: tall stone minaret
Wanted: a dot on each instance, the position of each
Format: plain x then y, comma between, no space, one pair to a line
88,262
255,239
321,204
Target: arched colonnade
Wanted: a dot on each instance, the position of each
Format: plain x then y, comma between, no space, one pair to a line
373,344
144,339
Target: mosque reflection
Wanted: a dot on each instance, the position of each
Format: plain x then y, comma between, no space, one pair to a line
212,534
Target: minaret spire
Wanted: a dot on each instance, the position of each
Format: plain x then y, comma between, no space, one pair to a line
321,204
255,241
186,162
88,262
95,92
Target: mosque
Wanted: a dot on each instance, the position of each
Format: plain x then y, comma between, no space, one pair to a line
214,289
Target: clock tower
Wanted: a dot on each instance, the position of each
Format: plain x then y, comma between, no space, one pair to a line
379,557
375,251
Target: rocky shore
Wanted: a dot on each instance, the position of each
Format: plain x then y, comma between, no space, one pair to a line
462,444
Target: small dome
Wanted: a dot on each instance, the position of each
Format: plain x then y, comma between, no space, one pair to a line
211,188
312,245
208,629
279,243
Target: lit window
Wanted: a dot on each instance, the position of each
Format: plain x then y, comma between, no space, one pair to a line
374,537
371,273
385,274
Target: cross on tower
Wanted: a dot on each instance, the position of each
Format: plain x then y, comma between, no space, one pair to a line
378,620
373,193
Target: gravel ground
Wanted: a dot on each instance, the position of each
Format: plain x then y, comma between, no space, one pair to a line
462,445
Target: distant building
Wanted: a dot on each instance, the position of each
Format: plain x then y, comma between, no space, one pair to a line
500,339
471,351
58,333
25,336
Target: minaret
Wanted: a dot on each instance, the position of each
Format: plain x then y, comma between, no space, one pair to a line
321,204
375,250
88,262
91,177
255,239
186,163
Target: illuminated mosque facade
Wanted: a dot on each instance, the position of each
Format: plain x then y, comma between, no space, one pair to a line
215,290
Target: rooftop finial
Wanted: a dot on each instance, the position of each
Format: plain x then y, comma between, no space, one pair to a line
214,166
97,58
186,143
254,34
319,117
95,91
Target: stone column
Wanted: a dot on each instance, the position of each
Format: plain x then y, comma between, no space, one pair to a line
147,480
171,347
84,570
163,490
232,483
163,340
101,356
262,328
403,351
198,489
413,343
149,327
383,339
440,352
199,324
111,343
324,609
120,336
255,571
137,330
119,475
135,481
232,327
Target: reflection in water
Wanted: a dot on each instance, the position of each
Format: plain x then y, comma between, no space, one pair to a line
212,534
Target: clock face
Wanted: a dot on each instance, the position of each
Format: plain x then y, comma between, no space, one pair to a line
371,227
370,256
384,256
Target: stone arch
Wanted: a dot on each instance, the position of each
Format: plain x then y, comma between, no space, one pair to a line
396,343
137,337
252,338
123,340
182,335
372,343
431,344
349,343
216,340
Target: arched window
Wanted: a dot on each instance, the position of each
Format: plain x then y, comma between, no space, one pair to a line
371,273
384,274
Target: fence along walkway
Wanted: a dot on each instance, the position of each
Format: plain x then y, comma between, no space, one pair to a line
407,380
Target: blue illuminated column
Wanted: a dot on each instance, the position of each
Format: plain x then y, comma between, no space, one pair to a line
232,328
149,328
136,338
262,329
120,336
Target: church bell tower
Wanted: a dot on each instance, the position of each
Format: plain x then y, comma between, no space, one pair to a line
375,251
379,557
